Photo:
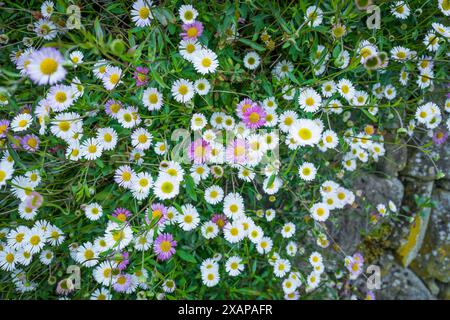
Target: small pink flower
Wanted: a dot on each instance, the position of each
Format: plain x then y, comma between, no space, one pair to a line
141,76
199,151
254,117
191,31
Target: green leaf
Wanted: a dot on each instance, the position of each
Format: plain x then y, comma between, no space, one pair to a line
190,188
186,256
252,44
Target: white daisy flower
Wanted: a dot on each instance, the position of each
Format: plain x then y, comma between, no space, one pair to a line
252,60
93,211
91,149
234,266
183,90
21,122
205,61
141,13
152,99
187,13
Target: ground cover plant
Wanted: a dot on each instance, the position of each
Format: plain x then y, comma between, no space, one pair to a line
203,150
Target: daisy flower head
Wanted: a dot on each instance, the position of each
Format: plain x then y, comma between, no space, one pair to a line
112,108
214,194
282,69
444,6
141,139
8,259
107,137
183,90
121,214
210,278
30,142
264,245
164,246
310,100
400,10
233,232
237,151
60,97
166,186
234,266
314,16
152,99
220,220
187,13
306,132
4,127
288,230
76,57
91,149
202,86
346,89
142,183
141,13
100,69
123,176
128,117
188,49
199,151
93,211
189,218
192,31
307,171
330,139
21,122
47,8
198,121
281,267
45,29
141,76
233,206
319,212
112,77
169,286
45,66
252,60
205,61
254,117
210,230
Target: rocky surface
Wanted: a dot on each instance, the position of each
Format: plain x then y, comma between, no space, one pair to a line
413,250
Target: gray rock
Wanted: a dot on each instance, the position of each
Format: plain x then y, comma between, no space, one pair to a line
398,283
433,261
395,158
420,166
347,227
408,238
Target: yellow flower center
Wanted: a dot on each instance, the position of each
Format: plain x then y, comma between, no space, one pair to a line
34,240
305,134
167,187
9,258
114,78
183,89
48,66
60,96
192,32
144,12
206,62
153,98
64,126
254,117
142,138
165,246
